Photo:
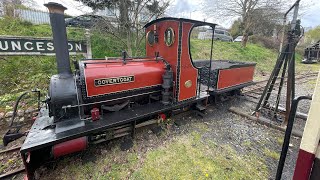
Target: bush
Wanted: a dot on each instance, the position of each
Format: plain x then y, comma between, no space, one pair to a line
266,42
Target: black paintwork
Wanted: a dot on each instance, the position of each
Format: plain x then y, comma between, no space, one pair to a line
60,39
223,64
195,22
43,132
286,141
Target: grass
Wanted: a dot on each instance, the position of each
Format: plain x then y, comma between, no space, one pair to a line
280,140
189,158
265,58
312,83
22,73
184,157
272,154
112,165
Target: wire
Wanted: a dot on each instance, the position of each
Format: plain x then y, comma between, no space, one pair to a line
15,108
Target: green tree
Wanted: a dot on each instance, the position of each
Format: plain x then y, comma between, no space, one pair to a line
236,28
312,36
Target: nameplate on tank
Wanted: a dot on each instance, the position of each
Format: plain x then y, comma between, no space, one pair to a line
113,80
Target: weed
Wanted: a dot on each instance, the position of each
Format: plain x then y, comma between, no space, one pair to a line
246,143
271,154
280,140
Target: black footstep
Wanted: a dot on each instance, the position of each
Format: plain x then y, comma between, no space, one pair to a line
126,144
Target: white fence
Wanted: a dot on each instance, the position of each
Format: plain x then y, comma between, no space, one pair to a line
33,16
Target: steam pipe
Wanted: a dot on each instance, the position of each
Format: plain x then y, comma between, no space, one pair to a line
60,40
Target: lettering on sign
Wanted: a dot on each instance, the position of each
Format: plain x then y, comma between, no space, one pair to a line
36,46
113,80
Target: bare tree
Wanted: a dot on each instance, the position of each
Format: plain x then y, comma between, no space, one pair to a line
128,19
245,9
265,21
9,6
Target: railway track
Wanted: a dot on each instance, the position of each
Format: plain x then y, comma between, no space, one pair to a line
6,153
256,90
253,93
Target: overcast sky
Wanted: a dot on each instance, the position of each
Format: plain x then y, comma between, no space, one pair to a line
192,9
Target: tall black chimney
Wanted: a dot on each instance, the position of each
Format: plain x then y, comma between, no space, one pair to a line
59,37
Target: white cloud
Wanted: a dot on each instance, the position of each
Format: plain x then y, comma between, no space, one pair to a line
192,9
74,8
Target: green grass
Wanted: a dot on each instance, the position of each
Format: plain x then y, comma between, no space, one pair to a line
189,158
114,164
22,73
184,157
265,58
280,140
272,154
312,83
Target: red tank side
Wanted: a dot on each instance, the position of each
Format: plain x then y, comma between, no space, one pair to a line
116,77
235,76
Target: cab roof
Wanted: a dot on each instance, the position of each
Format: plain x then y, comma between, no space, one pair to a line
197,23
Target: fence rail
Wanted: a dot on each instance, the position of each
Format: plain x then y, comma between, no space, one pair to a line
33,16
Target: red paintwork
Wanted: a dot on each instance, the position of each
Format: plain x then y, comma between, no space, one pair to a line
303,166
170,54
146,73
95,114
68,147
235,76
188,71
162,116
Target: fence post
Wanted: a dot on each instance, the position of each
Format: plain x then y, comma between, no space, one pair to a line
89,52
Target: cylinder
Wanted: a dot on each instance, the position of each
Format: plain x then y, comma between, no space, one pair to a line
60,40
69,147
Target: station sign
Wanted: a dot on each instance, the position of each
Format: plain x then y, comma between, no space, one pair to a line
36,46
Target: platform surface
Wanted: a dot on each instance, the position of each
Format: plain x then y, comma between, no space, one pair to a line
45,133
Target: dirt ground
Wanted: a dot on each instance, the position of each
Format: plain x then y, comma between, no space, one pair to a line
221,145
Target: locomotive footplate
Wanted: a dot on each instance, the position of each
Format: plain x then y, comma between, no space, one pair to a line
44,133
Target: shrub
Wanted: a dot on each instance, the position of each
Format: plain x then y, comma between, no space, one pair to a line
267,42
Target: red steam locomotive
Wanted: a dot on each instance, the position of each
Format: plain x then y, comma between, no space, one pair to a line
104,96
